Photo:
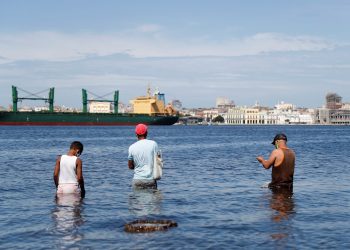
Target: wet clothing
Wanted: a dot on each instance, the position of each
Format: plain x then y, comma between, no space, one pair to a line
68,188
142,184
67,180
283,174
142,154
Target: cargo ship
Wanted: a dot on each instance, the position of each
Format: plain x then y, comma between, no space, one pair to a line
150,110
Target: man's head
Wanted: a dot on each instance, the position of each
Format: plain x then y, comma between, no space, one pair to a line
78,146
279,137
141,130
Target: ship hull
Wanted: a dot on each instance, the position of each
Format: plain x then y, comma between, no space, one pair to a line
81,119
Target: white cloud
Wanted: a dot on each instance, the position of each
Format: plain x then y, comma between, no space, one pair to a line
149,28
54,46
330,66
266,42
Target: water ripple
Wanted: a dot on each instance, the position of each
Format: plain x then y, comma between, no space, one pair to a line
212,186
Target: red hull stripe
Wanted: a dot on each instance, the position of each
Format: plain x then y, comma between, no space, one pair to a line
67,123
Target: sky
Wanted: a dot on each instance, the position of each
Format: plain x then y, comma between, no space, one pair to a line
192,50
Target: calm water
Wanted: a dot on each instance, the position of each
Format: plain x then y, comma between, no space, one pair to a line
212,186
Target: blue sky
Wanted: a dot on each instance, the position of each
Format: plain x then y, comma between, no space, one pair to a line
195,51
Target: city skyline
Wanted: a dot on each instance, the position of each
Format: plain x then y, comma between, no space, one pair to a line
194,51
32,104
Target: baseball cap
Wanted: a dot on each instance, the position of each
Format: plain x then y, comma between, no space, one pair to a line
141,129
279,137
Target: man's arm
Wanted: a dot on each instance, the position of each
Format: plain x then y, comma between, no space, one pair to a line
56,172
269,162
80,177
131,164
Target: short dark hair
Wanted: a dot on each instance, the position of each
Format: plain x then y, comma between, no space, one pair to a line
142,136
77,145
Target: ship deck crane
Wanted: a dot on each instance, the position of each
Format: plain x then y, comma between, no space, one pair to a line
101,99
16,99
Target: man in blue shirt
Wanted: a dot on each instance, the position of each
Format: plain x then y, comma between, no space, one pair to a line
141,159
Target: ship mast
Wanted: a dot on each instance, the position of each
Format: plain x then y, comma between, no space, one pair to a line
101,99
15,98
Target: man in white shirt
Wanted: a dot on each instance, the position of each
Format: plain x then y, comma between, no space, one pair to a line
141,159
68,173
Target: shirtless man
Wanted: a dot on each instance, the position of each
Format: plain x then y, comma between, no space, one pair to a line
282,161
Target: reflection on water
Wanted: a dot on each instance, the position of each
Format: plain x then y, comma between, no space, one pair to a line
68,218
143,202
282,205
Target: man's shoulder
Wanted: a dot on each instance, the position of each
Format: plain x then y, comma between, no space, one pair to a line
148,141
291,151
143,142
277,151
152,141
133,145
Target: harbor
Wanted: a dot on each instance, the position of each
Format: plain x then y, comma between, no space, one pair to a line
174,125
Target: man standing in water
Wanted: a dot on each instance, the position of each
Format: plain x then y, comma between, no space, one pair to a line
68,173
141,159
282,161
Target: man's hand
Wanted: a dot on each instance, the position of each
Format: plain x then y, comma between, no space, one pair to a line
260,159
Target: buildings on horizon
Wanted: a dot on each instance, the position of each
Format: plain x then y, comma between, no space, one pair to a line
334,112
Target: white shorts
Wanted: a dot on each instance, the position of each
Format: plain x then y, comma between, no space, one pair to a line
68,188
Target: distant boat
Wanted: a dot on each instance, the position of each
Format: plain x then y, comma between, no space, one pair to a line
150,110
82,119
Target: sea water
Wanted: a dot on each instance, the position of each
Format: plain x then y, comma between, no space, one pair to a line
212,186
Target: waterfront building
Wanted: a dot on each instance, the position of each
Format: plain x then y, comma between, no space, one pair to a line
335,112
252,116
235,116
332,116
288,117
264,116
243,115
307,117
269,117
210,114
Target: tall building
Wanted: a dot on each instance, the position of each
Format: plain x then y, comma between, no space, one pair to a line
224,102
333,101
335,113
